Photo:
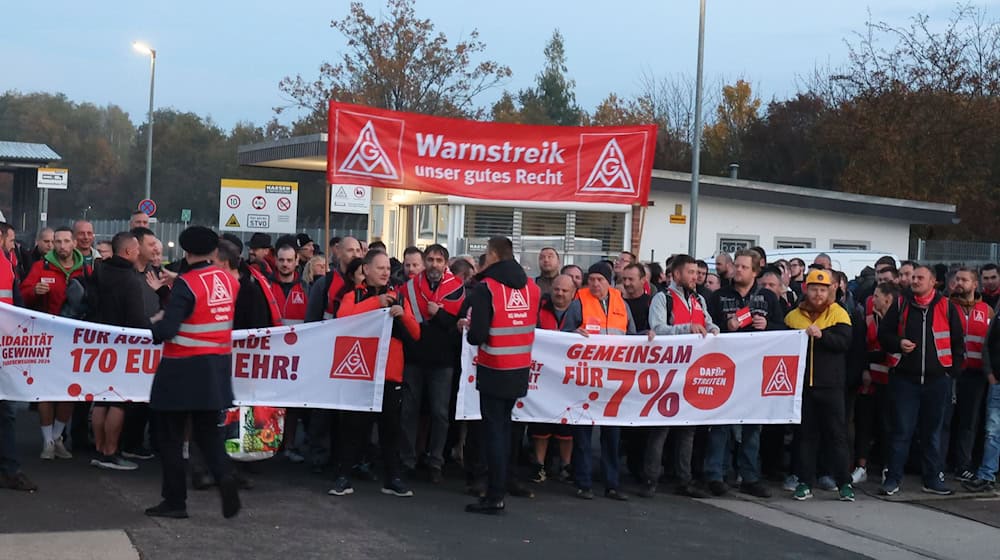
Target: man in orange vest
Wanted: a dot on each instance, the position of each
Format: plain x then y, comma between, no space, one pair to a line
599,309
503,312
193,379
971,384
679,309
11,476
927,330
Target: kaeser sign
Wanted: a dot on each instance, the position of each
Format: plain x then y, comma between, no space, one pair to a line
475,159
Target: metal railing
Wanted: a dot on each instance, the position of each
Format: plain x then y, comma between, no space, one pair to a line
970,253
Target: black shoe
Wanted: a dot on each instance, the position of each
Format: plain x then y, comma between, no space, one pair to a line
648,489
979,485
614,494
229,488
538,474
395,487
518,490
164,510
718,488
436,476
201,480
691,491
18,481
756,489
140,453
585,494
486,506
317,469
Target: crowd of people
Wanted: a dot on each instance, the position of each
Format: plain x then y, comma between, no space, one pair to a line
898,372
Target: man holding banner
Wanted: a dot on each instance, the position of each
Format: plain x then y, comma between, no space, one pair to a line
600,309
503,313
678,310
740,307
193,378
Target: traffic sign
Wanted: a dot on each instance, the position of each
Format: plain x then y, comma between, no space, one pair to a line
148,206
351,199
53,178
264,206
185,214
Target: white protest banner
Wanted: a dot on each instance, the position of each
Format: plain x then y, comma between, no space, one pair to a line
336,364
740,378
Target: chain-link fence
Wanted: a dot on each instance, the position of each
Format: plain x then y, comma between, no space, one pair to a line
969,253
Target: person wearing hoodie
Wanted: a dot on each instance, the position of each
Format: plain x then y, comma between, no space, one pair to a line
120,303
45,289
926,329
354,428
503,310
985,480
679,309
971,383
824,417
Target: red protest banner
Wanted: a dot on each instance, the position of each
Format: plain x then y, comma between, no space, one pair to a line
389,149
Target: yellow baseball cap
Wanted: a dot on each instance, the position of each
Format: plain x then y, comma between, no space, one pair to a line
819,277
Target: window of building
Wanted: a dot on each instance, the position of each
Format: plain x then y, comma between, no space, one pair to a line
852,245
793,243
730,243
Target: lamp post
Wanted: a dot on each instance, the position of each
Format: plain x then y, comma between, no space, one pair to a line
696,145
146,49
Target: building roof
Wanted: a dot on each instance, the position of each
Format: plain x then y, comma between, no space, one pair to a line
309,153
26,152
912,211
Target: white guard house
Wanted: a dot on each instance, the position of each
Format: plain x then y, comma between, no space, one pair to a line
733,214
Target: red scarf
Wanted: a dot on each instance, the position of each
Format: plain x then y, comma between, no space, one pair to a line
445,294
924,301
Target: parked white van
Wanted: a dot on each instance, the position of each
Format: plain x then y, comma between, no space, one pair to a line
849,261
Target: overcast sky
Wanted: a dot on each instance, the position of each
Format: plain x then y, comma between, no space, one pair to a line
224,58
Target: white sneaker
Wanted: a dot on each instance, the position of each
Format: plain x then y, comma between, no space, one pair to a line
60,450
49,451
859,475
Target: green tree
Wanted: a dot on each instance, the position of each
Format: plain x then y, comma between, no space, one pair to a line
398,62
552,101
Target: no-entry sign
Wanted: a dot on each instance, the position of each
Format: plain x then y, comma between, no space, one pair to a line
266,206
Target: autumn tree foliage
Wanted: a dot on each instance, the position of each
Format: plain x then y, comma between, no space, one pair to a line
398,62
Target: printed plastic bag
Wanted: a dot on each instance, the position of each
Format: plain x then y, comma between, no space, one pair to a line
253,433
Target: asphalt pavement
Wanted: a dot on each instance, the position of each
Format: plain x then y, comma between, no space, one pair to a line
289,515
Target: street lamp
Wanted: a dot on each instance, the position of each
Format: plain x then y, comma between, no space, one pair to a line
146,49
696,146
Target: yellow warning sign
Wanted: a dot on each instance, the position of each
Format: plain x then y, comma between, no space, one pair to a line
232,222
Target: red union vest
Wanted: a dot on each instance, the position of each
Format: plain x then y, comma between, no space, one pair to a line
880,370
940,326
209,328
292,306
975,324
6,279
333,294
512,332
265,286
547,319
682,314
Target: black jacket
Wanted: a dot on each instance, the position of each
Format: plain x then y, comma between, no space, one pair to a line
439,337
119,294
252,309
508,384
727,300
922,363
